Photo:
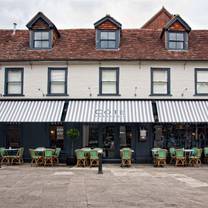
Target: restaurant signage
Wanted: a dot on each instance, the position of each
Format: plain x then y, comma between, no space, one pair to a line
109,113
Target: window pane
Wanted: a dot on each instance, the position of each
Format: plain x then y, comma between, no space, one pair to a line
57,88
109,75
57,75
109,87
37,44
202,88
160,75
172,36
202,76
172,45
104,35
159,88
111,35
45,44
180,36
37,35
104,44
45,35
179,45
14,76
14,88
111,44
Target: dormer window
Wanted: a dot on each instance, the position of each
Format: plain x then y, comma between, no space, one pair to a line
108,32
43,33
41,39
176,40
107,39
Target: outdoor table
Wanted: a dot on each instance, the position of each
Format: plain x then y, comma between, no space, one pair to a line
87,154
11,152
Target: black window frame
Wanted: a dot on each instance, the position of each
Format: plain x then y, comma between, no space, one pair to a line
196,81
168,82
12,69
49,39
101,69
177,41
65,82
99,40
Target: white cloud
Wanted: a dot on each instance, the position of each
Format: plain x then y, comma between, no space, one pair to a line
83,13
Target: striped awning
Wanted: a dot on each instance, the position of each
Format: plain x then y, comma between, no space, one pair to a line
105,111
31,111
182,111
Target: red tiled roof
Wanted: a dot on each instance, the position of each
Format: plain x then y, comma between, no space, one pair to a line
79,44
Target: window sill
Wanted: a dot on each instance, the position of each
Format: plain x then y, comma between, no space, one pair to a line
61,95
108,49
14,95
204,94
108,95
165,95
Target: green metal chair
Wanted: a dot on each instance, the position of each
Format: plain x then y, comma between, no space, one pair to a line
5,158
81,158
172,152
48,157
94,158
154,154
18,158
2,150
180,157
126,157
56,155
195,158
161,156
205,154
35,159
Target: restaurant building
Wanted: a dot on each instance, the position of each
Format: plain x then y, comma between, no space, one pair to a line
142,88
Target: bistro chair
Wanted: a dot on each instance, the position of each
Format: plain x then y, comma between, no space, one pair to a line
35,159
81,158
5,157
126,157
172,152
2,150
94,158
206,154
18,158
195,158
56,155
160,159
154,154
180,157
48,157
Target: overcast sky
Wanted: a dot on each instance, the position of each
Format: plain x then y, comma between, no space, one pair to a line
83,13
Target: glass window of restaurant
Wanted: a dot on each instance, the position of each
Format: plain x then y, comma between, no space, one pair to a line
181,135
13,136
56,135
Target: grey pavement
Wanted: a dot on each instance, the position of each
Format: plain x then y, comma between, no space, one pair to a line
140,186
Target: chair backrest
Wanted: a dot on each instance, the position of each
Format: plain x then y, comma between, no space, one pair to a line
194,151
162,153
198,152
155,151
48,153
126,153
20,152
172,151
2,151
94,154
32,153
206,151
80,154
57,151
179,153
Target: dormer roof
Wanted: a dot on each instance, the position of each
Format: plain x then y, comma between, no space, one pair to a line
105,19
177,19
42,17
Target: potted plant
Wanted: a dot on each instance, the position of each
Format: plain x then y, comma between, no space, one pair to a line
73,134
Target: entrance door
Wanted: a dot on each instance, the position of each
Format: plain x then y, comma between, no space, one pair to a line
125,136
13,136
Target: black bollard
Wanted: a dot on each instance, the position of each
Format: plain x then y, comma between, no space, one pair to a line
100,166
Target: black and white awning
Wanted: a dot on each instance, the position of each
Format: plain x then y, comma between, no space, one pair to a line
110,111
31,111
182,111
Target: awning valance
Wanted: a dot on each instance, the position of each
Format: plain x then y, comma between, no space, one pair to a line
182,111
31,111
110,111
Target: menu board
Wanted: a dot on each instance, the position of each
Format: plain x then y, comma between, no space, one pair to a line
60,133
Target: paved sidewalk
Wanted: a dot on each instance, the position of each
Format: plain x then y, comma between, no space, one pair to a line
140,186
